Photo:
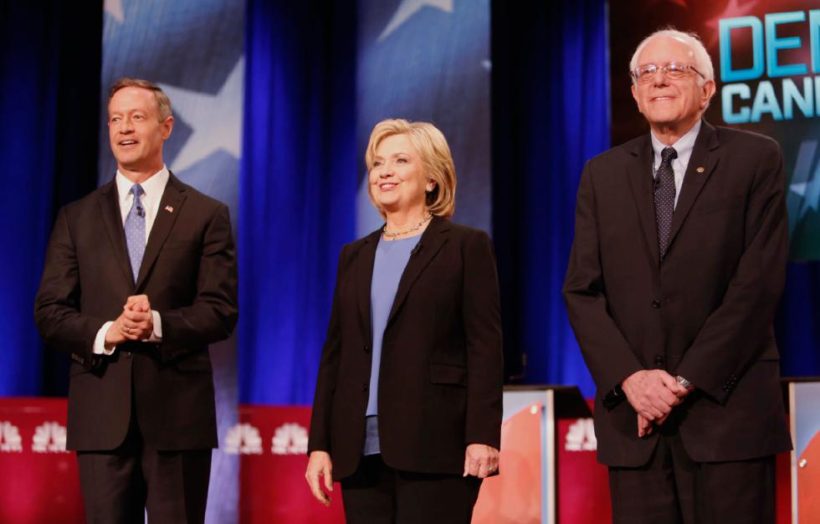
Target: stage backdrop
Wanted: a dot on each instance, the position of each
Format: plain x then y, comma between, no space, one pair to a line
766,56
429,60
193,49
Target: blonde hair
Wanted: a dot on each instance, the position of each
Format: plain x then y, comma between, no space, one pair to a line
163,102
435,155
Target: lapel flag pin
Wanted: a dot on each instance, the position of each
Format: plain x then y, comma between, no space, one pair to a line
700,169
170,209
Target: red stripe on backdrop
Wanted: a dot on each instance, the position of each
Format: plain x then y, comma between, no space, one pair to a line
39,482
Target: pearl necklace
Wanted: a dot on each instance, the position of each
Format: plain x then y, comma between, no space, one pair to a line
411,229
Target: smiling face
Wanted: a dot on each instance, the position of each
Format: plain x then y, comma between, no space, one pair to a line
671,105
397,179
136,131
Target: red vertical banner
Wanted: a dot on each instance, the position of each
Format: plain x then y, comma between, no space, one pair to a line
272,442
582,483
39,481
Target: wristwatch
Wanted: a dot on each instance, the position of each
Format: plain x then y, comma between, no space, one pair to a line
685,383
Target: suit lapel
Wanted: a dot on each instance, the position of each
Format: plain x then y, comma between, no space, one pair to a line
366,258
639,171
169,208
433,238
701,164
112,218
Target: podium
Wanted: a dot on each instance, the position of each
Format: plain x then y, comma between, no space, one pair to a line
804,416
544,428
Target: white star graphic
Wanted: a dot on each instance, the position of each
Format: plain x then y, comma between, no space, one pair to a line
799,189
408,8
215,120
810,192
807,186
114,8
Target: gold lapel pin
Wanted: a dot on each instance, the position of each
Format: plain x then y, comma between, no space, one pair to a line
700,169
170,209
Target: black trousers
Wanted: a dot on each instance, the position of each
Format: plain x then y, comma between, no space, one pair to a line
118,486
379,494
674,489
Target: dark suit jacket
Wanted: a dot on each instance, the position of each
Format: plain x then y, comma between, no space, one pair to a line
705,312
189,274
441,367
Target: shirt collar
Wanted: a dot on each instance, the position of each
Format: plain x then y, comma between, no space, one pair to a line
152,186
683,146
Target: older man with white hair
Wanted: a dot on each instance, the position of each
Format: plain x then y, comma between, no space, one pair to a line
676,269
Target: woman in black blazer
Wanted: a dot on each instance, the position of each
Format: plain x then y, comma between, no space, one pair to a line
407,412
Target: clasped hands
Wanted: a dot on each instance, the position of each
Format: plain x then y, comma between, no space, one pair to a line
136,322
652,393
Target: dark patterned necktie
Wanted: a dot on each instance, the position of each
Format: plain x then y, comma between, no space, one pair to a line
665,197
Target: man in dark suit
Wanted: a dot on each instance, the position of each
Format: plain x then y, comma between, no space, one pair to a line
676,269
139,278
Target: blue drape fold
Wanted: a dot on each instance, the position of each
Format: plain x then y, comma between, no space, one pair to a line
550,114
297,190
49,80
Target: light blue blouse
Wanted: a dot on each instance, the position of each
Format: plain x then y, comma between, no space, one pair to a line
391,259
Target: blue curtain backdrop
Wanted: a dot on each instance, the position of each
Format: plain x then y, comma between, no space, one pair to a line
550,114
798,321
49,77
297,191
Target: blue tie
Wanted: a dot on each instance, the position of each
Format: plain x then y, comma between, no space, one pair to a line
135,230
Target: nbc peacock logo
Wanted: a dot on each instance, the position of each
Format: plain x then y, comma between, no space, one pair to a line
581,436
243,439
10,441
290,439
49,437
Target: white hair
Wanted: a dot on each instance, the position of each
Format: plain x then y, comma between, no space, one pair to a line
703,62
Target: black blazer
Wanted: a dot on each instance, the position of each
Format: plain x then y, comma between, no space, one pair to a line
189,274
441,367
706,312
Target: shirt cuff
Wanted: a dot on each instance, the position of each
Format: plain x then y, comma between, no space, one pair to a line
99,340
156,334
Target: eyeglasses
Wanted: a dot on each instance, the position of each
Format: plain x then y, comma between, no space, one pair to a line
673,71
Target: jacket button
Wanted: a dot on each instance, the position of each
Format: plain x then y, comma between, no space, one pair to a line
656,304
364,387
366,348
659,360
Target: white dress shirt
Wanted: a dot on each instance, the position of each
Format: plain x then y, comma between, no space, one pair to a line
684,147
153,189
